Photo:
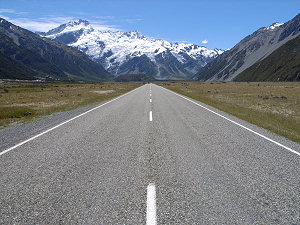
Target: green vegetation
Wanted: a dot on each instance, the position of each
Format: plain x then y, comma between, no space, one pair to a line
16,112
271,105
282,65
23,100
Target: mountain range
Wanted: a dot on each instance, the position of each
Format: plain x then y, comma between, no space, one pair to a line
133,53
254,50
76,51
26,55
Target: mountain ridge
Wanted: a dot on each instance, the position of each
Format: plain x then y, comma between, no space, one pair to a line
254,47
116,51
38,58
281,65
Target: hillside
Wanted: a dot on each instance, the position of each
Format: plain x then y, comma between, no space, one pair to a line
248,51
282,65
25,55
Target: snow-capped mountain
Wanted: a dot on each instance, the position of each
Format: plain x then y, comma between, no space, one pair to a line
26,56
131,52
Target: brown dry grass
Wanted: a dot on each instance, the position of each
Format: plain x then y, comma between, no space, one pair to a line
22,100
274,106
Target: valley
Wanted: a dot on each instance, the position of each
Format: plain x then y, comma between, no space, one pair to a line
149,112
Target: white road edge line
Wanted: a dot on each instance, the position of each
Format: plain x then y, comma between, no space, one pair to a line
236,123
150,116
151,205
46,131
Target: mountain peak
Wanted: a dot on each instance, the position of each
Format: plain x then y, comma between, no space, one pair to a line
78,22
254,48
132,52
273,26
79,25
134,34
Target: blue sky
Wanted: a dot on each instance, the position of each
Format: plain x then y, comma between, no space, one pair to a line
221,23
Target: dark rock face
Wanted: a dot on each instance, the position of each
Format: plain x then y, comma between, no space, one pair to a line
291,28
42,57
137,65
282,65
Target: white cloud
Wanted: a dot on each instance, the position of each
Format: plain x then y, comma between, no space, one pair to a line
47,23
104,17
103,27
133,20
34,25
204,42
4,17
55,19
7,11
39,24
12,11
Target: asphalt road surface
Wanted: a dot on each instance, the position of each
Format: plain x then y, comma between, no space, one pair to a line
134,160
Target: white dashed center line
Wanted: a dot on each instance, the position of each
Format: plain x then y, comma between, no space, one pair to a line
151,205
150,116
150,100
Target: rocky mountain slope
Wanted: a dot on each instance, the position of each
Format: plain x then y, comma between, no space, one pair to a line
133,53
25,55
250,50
282,65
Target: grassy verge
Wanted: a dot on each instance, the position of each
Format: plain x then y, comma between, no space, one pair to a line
274,106
25,100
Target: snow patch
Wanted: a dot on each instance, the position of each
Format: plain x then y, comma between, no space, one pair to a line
121,46
273,26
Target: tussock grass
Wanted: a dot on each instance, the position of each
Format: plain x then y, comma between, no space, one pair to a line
23,100
15,112
272,105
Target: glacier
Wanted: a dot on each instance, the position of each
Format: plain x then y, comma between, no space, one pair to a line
131,52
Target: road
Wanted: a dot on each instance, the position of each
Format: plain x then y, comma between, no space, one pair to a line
134,160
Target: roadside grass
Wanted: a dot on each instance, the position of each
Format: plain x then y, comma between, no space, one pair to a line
271,105
26,100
